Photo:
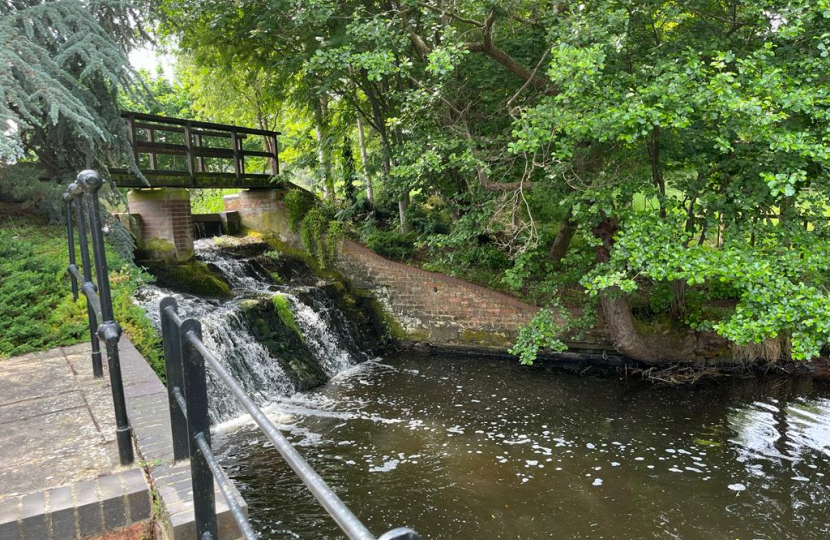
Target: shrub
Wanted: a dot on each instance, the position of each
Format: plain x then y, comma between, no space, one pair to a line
392,244
297,205
38,311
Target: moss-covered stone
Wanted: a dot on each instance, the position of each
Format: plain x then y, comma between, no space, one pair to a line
192,277
285,314
486,339
267,322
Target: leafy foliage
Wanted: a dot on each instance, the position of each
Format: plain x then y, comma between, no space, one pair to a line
63,62
543,332
672,154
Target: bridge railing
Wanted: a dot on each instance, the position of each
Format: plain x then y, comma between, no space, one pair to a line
81,199
195,148
186,358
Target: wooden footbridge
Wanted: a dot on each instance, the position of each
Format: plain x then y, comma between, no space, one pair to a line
174,152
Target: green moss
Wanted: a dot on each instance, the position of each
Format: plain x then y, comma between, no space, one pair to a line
285,314
486,339
392,329
191,277
277,244
158,245
272,324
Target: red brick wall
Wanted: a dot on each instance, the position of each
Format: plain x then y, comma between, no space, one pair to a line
166,219
434,306
231,203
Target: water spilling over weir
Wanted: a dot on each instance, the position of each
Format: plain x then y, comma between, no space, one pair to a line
264,353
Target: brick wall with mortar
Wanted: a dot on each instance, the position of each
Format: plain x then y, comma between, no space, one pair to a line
260,210
434,307
165,225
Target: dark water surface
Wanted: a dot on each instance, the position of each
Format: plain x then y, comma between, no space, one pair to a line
467,448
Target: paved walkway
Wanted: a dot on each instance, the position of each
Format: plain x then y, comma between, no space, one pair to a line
57,422
60,476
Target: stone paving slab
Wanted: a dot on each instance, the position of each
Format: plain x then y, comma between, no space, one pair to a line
57,421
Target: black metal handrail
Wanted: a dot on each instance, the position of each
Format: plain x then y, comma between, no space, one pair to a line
82,197
185,358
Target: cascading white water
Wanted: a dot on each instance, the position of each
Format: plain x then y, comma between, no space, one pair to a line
226,333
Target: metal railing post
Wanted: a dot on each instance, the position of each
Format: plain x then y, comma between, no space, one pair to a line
109,330
170,338
198,427
73,199
70,235
97,363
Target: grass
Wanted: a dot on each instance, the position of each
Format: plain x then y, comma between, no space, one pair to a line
209,201
38,311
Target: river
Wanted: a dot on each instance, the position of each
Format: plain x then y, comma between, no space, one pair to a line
474,448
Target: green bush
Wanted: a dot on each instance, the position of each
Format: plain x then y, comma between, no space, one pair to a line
32,286
392,244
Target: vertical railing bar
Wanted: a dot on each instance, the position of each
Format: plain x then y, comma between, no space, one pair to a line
109,330
151,134
171,342
223,482
275,161
235,145
93,311
70,235
200,161
195,393
188,143
131,135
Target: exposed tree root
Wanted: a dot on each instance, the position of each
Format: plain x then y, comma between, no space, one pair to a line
675,375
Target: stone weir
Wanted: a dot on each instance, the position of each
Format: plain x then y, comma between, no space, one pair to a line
421,306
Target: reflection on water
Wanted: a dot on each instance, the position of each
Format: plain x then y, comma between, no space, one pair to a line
467,449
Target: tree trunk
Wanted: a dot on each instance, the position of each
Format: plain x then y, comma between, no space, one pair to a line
364,159
628,340
403,205
323,153
562,242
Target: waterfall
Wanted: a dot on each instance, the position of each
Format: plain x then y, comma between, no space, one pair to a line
328,335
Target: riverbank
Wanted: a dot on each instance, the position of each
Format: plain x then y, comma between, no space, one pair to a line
38,310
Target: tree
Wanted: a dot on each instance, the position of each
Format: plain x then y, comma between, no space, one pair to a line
62,63
710,121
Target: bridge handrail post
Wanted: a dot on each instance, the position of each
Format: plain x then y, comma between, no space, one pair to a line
109,330
198,425
171,341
